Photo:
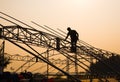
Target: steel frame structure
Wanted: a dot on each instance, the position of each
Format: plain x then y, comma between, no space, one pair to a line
55,44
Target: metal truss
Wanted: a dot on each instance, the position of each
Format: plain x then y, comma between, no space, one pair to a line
54,44
18,57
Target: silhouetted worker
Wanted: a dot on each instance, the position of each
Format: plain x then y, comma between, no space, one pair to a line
74,37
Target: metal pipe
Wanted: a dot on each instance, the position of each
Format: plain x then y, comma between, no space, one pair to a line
54,30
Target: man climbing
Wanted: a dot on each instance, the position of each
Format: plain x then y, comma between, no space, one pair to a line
74,37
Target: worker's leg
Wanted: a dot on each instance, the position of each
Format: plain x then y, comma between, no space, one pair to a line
73,47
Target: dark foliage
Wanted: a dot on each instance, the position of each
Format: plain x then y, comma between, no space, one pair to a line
4,61
106,66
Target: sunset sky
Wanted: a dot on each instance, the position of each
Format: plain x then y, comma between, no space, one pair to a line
96,21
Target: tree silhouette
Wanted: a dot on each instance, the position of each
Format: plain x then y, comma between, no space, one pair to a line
4,61
106,66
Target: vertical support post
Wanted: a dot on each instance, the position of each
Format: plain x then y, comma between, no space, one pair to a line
18,32
91,60
47,64
76,66
67,67
1,32
58,43
2,57
36,59
3,53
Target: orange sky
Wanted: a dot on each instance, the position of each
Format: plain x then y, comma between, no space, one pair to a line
97,21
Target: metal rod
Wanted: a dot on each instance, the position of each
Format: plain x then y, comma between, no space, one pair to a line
54,31
61,31
8,20
17,20
45,28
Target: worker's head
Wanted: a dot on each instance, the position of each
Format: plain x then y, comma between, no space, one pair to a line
69,29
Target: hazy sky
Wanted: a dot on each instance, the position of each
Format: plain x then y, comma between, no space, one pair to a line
97,21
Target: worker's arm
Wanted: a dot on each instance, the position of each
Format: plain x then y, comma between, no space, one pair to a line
66,36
